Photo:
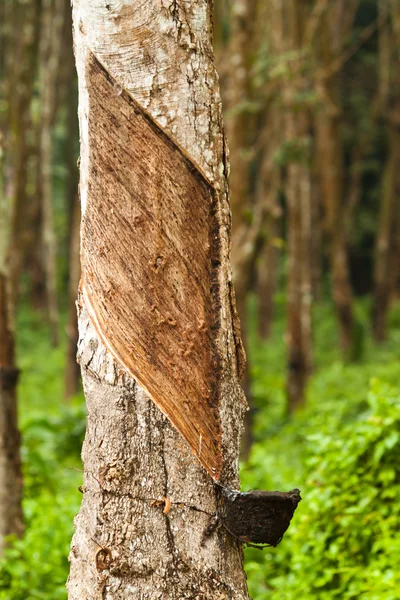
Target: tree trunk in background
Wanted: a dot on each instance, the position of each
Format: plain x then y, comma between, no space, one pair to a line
50,54
297,132
124,546
386,255
316,238
20,75
240,132
16,78
385,251
330,154
267,192
11,520
333,30
299,285
239,126
10,465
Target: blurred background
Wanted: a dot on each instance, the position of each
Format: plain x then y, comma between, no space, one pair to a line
311,94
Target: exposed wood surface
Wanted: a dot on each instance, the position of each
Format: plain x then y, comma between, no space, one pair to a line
151,259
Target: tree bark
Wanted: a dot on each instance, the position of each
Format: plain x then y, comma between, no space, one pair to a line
125,545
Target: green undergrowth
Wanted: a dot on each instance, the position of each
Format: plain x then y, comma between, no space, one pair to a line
342,450
36,567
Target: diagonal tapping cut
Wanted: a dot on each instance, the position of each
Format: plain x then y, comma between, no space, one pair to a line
154,297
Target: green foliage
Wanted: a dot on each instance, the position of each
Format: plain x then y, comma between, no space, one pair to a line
343,452
36,567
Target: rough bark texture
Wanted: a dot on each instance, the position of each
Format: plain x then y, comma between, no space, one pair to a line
162,56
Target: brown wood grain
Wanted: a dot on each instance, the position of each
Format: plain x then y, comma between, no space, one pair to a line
150,263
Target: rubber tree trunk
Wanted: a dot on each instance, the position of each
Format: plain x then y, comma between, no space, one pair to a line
299,277
18,43
137,533
268,189
298,192
240,130
334,27
386,250
11,521
50,54
331,170
24,38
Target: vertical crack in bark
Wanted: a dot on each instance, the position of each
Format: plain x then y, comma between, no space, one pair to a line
170,536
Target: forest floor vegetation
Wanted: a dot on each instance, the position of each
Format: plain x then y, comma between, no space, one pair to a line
342,450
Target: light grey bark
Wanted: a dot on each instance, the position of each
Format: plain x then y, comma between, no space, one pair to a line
124,545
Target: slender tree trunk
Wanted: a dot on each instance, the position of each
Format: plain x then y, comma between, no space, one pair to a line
240,124
385,252
24,51
10,465
316,238
331,170
11,521
50,50
297,127
269,184
386,255
299,286
125,545
18,45
334,27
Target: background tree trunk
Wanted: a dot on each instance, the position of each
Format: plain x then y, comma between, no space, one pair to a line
386,256
11,520
16,75
50,55
298,192
268,188
334,27
131,452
